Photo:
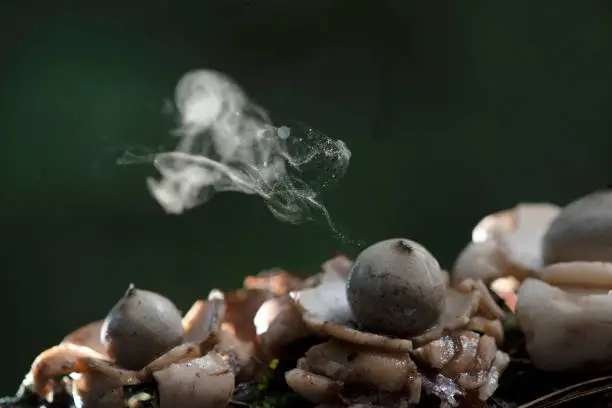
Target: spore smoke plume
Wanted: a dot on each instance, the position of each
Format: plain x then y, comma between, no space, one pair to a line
228,143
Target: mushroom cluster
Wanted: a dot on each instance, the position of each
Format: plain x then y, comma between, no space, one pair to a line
382,330
144,351
392,327
554,267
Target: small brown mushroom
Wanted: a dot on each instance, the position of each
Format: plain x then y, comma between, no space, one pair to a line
142,326
405,282
279,323
351,357
95,390
582,231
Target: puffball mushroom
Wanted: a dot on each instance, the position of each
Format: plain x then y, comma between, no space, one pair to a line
405,282
142,326
190,374
582,231
363,365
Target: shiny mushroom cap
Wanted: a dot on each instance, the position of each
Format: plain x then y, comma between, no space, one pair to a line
396,288
142,326
582,231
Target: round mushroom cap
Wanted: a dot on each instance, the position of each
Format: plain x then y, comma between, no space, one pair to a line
581,232
205,382
396,288
142,326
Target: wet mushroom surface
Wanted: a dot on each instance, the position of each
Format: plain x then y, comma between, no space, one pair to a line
193,360
141,341
523,313
409,327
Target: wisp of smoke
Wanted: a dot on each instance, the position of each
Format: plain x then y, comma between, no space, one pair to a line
228,143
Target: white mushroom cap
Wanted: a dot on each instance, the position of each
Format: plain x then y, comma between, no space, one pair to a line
522,245
506,243
327,301
556,324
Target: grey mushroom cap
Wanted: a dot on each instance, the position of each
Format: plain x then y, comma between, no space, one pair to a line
396,287
142,326
582,231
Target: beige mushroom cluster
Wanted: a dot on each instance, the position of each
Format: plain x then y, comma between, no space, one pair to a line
560,262
391,327
192,361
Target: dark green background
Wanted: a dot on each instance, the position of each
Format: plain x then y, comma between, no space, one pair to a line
451,111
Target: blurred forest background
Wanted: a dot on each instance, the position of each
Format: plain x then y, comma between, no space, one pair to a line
452,110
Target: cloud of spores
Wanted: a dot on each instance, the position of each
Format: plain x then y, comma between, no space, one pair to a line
228,143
